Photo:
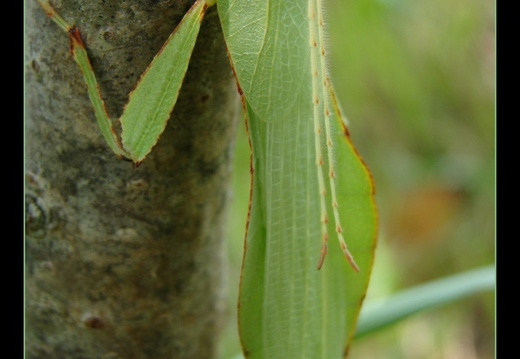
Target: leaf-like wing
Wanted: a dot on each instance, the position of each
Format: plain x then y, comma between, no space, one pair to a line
288,308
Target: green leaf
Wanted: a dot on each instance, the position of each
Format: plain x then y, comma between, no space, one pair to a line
379,314
287,307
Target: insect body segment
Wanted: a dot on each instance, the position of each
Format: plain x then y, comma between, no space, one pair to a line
320,89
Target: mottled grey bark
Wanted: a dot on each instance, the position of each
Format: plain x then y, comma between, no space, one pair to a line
123,262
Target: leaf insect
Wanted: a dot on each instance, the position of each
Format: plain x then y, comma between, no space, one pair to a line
151,102
266,68
307,178
308,181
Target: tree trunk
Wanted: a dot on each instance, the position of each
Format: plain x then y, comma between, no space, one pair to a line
124,262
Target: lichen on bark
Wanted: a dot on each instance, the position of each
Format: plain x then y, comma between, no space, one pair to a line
124,262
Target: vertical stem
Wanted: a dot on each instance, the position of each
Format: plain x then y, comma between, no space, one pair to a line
124,262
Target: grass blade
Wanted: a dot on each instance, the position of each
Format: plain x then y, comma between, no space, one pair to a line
377,315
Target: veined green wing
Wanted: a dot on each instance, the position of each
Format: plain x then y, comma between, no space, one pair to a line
288,308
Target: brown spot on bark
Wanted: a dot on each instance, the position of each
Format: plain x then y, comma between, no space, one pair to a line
204,98
35,66
94,323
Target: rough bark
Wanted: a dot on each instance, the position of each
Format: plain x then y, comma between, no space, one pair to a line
124,262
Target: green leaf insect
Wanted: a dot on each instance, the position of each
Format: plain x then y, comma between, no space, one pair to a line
309,183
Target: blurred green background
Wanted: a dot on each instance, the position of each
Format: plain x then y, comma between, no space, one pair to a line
417,81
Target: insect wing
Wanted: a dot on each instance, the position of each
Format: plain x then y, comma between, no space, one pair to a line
287,308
